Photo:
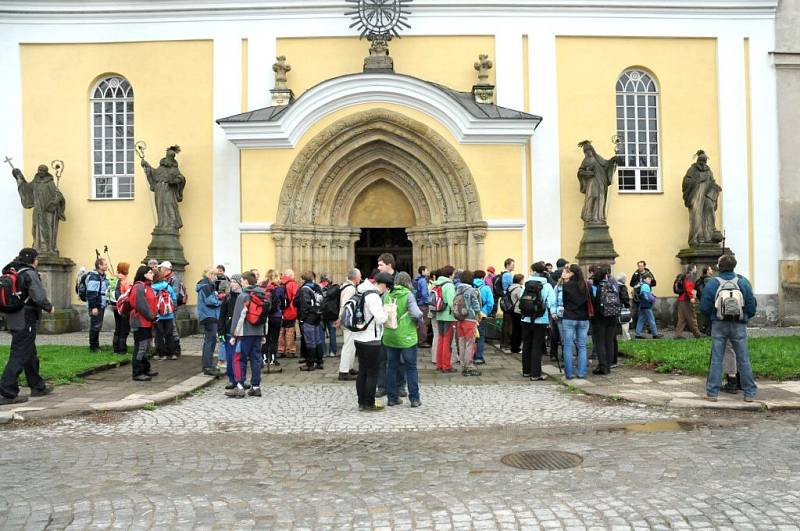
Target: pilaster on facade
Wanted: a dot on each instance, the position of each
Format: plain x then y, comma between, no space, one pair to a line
11,239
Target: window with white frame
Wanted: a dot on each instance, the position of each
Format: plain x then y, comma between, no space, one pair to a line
637,130
112,139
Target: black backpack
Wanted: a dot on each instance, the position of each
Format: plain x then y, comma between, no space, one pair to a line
12,296
80,286
678,287
497,286
330,303
531,303
609,300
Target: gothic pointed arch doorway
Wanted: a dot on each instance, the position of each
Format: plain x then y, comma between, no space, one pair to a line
340,173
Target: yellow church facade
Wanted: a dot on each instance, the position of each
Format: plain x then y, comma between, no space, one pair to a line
407,160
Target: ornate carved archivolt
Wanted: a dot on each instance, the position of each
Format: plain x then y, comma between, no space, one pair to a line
352,154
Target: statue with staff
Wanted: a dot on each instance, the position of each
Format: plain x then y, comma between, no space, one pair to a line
43,196
701,195
595,175
167,183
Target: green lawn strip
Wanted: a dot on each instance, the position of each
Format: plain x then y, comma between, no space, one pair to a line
776,358
61,364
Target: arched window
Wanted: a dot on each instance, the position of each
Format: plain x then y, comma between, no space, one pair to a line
112,139
637,129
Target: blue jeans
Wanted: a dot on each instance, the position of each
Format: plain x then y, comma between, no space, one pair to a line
651,321
230,351
330,347
480,343
209,342
409,359
572,332
736,333
250,352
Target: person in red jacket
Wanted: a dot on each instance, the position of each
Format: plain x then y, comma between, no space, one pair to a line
686,301
143,315
286,340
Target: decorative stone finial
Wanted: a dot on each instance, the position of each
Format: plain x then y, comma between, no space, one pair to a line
281,94
378,59
483,91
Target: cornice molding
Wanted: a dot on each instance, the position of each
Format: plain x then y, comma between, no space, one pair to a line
347,91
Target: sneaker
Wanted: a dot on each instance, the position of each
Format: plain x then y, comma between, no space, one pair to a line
403,393
526,375
380,392
42,392
173,357
331,354
255,391
658,336
749,398
210,372
472,371
16,400
230,386
541,378
415,403
710,398
275,362
346,377
353,372
232,392
372,409
480,362
152,374
142,378
391,403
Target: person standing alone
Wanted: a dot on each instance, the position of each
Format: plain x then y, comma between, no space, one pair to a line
97,300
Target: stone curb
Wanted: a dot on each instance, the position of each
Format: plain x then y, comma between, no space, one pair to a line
175,392
102,368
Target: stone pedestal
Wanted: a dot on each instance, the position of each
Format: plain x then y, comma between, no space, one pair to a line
702,255
56,275
597,246
789,293
166,245
281,97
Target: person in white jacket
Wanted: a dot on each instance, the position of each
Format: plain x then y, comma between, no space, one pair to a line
368,341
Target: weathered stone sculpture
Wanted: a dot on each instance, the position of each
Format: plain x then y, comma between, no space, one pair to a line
483,91
700,195
43,196
167,183
595,175
281,95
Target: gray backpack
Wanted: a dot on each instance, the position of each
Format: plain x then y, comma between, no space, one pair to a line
729,300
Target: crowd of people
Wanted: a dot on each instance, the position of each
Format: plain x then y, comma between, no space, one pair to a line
385,318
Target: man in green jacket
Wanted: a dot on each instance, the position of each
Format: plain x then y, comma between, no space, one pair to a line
445,319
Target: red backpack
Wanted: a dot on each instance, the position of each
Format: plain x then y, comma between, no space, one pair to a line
437,298
258,308
11,297
124,306
164,304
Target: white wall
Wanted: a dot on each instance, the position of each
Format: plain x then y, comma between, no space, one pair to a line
10,145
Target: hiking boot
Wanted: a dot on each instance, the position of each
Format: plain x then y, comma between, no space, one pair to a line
415,403
710,398
16,400
730,386
232,392
230,386
346,377
749,398
658,336
42,392
152,374
255,391
539,378
142,378
391,403
473,371
402,393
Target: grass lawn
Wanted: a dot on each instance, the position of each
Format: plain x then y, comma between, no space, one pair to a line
777,358
60,364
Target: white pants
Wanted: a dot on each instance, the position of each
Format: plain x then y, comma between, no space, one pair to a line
347,361
435,340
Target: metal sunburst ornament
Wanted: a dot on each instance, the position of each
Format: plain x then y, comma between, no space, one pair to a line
380,18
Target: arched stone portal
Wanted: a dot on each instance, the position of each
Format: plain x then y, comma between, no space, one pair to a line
352,154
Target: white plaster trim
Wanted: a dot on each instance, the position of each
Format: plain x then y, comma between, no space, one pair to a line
733,148
260,77
264,227
11,239
524,195
338,93
508,70
227,248
506,224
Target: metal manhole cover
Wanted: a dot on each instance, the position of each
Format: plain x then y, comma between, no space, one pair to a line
542,460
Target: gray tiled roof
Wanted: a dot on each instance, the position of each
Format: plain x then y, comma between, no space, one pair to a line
464,99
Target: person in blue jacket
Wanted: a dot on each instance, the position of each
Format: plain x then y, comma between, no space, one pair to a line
166,304
208,304
534,334
487,305
96,300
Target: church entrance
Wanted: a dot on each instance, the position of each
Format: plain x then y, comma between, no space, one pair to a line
376,241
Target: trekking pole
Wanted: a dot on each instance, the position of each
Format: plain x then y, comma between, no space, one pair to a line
108,257
97,253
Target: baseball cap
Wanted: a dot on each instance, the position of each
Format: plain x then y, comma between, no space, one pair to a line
166,264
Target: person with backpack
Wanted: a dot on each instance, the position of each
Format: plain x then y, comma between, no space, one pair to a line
729,303
166,304
489,281
275,293
536,304
166,273
247,335
442,301
330,311
348,358
684,288
575,321
487,306
308,302
22,300
702,322
208,304
423,297
143,315
387,264
646,301
511,301
607,307
122,326
226,325
97,300
467,312
400,341
368,336
432,315
637,279
287,344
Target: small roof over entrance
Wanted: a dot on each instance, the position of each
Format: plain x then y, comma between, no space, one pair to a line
470,122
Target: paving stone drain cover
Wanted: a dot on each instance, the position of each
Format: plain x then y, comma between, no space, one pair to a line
542,460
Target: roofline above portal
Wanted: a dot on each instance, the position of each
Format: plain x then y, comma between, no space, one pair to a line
469,122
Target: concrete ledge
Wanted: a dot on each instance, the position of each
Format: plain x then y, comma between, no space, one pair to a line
782,405
122,405
720,404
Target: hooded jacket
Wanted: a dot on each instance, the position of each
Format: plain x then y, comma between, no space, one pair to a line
226,312
548,297
448,294
374,312
37,297
208,303
143,302
487,297
308,312
240,327
291,286
160,286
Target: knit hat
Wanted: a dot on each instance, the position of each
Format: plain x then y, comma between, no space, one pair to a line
123,268
28,255
385,278
236,278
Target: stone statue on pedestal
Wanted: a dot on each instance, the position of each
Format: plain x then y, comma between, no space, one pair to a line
168,183
43,196
701,195
281,68
595,175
